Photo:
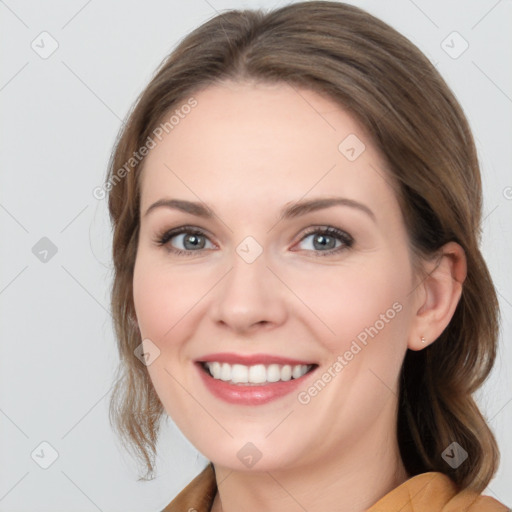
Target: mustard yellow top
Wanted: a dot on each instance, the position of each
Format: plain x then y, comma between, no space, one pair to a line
427,492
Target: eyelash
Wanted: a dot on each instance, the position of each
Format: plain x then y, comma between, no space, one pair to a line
345,238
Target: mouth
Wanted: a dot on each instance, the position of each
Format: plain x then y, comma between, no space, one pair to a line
255,375
252,379
257,384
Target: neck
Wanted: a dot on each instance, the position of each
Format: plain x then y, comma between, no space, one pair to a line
350,481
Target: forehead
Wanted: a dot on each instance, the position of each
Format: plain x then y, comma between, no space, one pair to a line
263,143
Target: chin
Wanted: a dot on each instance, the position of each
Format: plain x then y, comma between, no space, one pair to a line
251,456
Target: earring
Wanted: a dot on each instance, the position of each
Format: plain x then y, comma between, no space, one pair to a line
423,339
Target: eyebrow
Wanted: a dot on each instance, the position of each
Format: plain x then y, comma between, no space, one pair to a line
294,210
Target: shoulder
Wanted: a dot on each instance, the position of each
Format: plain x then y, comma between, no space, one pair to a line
428,492
435,492
198,495
471,501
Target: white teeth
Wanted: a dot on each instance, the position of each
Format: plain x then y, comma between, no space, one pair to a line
239,373
297,371
273,373
225,372
256,374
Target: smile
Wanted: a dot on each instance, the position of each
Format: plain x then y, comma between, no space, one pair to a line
257,374
252,384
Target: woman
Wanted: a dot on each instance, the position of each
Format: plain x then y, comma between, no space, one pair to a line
296,204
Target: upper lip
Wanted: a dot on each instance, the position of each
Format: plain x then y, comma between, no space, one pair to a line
250,359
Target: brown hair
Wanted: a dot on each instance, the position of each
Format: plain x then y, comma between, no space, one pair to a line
377,74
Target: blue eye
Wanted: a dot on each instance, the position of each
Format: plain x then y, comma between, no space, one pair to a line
192,239
326,240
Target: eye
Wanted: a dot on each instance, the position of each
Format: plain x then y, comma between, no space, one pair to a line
327,240
191,239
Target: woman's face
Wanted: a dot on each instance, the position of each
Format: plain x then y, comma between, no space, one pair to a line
260,277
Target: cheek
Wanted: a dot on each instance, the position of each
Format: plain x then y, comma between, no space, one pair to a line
163,296
151,300
362,302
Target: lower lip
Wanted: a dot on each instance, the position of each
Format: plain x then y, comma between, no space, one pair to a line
250,395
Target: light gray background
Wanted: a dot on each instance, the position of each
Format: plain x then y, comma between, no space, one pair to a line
60,116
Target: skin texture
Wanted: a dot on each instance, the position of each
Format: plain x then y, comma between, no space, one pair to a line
247,151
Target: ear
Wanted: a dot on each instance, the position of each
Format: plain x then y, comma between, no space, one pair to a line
437,296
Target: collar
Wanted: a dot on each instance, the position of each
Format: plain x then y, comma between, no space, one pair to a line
426,492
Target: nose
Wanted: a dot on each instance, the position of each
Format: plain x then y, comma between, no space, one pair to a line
249,297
